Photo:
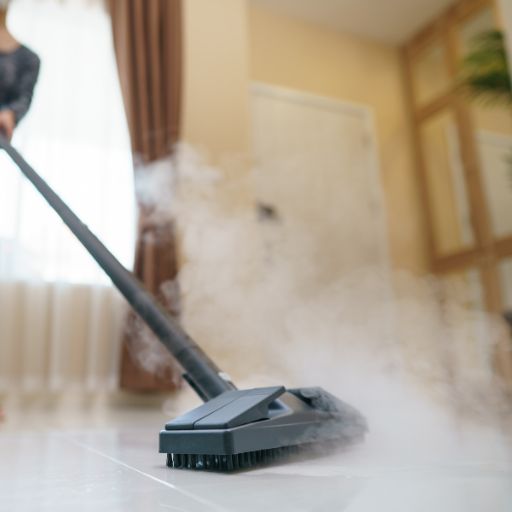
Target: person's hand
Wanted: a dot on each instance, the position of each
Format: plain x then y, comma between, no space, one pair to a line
7,123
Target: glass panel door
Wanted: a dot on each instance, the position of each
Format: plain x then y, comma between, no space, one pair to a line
446,185
431,77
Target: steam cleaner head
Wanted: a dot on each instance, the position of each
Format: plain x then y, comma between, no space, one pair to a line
233,429
243,428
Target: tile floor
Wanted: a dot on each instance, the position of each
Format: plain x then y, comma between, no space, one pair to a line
50,464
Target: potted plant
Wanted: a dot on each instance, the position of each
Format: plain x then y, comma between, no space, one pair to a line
485,72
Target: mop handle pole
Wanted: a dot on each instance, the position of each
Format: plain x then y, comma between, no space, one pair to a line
201,372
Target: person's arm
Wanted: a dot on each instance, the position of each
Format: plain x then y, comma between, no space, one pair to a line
20,105
7,123
12,112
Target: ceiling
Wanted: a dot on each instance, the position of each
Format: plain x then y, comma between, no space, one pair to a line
390,21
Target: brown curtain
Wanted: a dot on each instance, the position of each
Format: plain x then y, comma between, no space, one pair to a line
147,40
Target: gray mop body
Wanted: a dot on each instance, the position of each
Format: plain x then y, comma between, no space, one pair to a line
234,429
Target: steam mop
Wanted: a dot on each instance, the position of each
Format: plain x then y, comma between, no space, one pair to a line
234,429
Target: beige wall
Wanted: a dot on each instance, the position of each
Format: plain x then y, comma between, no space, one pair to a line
215,109
308,57
229,44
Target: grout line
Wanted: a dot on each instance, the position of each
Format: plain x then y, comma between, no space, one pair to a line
190,495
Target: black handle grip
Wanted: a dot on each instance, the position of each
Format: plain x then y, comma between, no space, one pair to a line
208,380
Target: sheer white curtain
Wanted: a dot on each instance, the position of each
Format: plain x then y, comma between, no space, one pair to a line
59,317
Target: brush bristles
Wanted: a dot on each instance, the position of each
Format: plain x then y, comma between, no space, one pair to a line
229,462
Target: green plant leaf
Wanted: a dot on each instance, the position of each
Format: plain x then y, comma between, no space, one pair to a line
485,74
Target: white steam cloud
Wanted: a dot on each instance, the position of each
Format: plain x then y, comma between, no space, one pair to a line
413,354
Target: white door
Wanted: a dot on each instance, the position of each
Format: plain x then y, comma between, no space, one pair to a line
317,167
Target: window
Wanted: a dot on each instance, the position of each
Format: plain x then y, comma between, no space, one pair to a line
76,137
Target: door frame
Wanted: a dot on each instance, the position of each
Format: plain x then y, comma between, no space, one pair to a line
488,251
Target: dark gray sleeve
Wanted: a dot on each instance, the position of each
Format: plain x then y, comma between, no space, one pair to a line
28,77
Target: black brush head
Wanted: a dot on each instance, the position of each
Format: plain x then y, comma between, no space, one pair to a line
244,428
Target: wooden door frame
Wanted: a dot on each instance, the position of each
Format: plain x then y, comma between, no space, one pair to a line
487,251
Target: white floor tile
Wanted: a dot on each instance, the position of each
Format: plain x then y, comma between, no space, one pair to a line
118,468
